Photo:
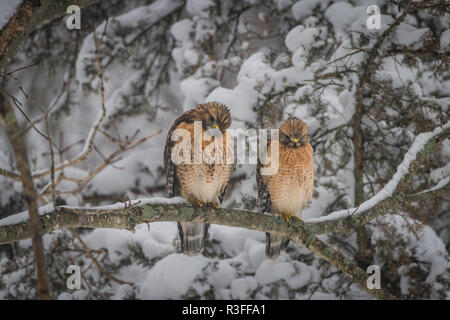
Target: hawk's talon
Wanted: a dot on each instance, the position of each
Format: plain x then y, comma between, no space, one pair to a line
288,217
284,216
297,218
215,205
197,202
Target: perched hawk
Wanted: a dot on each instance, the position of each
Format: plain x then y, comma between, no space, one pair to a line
202,182
290,189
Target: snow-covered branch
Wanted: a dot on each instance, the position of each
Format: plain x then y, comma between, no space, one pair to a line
339,221
127,216
420,143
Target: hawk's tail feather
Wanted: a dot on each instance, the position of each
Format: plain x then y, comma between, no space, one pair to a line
192,237
274,245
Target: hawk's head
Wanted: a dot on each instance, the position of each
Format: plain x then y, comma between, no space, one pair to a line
294,133
213,115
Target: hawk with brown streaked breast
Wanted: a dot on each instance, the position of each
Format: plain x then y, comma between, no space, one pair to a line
290,189
201,182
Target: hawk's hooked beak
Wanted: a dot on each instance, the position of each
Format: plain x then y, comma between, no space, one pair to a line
215,128
295,140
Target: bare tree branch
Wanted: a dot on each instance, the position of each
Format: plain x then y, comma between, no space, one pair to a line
13,131
95,261
30,14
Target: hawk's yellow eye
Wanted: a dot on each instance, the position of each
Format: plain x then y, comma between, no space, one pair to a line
295,140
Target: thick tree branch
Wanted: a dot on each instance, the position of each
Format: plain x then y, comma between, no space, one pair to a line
29,14
304,233
13,130
63,217
128,217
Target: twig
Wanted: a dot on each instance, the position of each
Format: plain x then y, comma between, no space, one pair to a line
9,73
95,261
52,156
83,182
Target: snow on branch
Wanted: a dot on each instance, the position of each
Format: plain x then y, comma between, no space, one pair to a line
128,215
440,185
418,145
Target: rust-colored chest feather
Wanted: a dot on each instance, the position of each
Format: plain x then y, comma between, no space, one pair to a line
290,188
206,177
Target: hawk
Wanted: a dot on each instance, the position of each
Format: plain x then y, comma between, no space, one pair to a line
289,190
201,182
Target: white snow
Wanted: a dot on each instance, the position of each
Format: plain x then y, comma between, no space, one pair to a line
182,30
199,7
7,9
438,186
341,15
24,216
271,271
283,4
171,277
409,36
240,288
304,8
196,90
445,40
150,13
122,205
390,187
48,208
426,245
300,36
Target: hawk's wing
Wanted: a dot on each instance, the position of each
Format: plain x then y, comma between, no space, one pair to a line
274,243
264,202
222,195
172,183
229,150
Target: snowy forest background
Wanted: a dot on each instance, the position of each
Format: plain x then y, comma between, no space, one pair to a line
364,94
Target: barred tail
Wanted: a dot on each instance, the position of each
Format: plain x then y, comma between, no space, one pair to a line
274,245
192,237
